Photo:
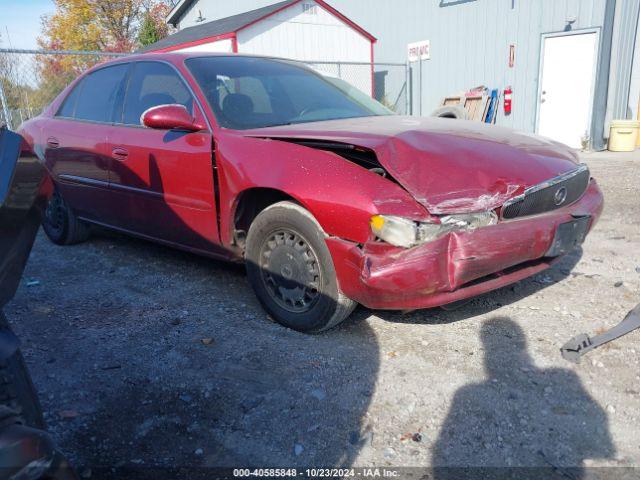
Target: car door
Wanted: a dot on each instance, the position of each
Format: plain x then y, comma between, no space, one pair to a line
162,180
75,142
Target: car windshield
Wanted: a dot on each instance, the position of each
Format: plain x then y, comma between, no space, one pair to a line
249,92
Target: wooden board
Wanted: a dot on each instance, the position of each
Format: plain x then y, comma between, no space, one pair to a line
452,100
476,107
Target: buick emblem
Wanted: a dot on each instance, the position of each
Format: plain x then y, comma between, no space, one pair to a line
560,196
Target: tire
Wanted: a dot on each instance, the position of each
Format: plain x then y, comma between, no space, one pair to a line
291,271
450,111
60,223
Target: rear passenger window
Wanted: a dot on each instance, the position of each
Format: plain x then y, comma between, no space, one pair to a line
99,93
152,84
69,105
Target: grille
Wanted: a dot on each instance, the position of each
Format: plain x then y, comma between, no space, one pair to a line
544,196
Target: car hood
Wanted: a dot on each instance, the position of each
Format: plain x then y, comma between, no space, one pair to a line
449,166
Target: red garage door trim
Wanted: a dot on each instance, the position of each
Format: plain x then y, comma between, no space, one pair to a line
202,41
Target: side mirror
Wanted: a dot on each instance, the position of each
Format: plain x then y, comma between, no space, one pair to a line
167,117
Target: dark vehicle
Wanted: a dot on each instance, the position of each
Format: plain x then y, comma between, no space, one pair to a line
26,450
329,198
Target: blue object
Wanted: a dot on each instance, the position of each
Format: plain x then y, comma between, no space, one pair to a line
493,107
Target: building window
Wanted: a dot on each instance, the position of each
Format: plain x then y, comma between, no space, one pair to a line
309,9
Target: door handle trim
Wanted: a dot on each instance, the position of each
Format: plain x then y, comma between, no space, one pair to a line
53,142
120,153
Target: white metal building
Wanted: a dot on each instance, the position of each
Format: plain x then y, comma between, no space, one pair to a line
309,30
580,52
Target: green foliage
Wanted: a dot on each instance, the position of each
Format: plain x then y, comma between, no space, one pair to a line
148,32
153,27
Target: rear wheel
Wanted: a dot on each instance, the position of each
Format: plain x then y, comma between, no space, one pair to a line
291,270
60,223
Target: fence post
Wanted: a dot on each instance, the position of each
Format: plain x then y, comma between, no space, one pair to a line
407,92
410,90
420,91
5,106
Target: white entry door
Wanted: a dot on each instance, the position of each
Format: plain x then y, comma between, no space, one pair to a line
566,88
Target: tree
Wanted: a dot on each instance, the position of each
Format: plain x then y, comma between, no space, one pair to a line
153,26
30,83
103,25
94,25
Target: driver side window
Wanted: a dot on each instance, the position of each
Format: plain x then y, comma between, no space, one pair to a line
152,84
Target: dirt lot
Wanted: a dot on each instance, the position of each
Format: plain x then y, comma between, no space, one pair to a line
147,356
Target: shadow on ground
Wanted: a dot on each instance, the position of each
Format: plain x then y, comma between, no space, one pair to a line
262,395
155,399
520,416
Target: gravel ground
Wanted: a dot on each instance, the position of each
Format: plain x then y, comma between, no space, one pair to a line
146,356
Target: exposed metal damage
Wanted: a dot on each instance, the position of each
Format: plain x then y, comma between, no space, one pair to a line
364,157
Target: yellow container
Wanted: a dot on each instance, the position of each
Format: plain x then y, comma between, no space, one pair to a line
623,135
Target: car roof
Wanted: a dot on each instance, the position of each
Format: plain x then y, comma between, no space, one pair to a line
178,57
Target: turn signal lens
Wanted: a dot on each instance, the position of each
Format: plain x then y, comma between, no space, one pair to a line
377,222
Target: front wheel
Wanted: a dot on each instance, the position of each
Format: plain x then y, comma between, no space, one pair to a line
291,271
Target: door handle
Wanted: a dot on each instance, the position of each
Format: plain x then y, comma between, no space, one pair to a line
53,142
120,153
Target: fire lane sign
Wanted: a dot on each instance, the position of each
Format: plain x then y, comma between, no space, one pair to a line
419,51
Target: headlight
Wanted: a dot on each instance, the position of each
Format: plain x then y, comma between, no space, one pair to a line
403,232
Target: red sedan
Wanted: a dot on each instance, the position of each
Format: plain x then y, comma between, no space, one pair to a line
330,199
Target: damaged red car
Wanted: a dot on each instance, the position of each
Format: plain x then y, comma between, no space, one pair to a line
329,198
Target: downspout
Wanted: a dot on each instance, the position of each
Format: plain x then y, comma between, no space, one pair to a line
601,90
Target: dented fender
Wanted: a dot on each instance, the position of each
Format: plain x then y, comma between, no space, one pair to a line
341,195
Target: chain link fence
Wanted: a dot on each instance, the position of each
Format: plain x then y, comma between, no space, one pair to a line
31,79
386,82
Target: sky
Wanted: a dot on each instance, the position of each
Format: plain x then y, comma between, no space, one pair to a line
21,18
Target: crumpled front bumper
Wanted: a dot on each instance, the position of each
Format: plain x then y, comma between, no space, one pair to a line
457,266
